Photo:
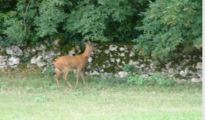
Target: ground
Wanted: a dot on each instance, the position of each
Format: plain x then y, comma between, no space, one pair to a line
36,97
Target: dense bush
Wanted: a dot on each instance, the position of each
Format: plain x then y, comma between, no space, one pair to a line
105,20
162,30
170,28
28,21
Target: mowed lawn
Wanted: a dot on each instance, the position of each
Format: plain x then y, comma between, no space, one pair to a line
36,97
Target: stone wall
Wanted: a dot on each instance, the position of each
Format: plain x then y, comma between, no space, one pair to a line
108,59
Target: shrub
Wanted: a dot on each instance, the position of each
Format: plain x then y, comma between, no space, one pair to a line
136,80
170,27
161,80
155,79
25,22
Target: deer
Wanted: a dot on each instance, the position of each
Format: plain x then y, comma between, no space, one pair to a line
67,63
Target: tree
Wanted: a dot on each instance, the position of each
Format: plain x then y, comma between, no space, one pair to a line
170,28
29,21
105,20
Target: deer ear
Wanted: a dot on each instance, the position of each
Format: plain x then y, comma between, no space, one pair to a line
89,42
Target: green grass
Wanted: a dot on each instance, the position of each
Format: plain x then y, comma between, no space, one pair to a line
35,97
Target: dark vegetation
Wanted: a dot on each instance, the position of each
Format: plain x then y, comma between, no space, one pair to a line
161,30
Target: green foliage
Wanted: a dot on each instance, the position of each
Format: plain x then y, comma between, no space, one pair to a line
137,80
155,79
5,6
51,14
15,31
31,20
87,20
18,23
163,29
129,68
170,27
26,22
160,80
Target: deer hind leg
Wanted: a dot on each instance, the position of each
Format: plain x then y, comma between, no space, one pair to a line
58,72
83,77
66,71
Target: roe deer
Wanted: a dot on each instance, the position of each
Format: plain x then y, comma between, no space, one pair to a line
66,63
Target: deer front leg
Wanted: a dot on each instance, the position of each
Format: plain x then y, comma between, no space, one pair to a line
83,77
77,76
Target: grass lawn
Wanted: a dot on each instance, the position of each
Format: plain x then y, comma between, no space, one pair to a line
35,97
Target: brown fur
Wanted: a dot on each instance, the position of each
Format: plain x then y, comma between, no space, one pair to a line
66,63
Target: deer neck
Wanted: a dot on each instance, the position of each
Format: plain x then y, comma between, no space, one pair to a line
86,53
